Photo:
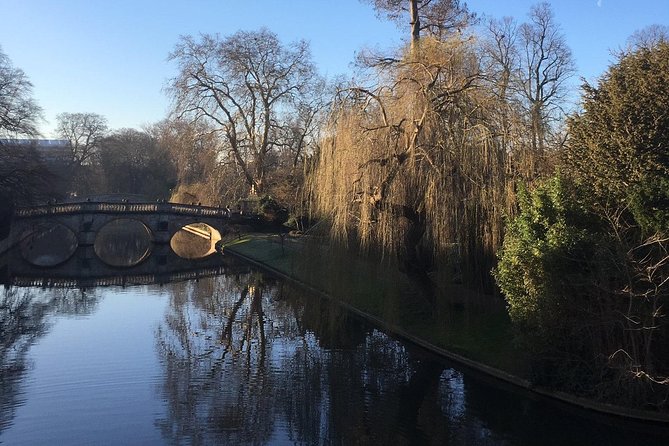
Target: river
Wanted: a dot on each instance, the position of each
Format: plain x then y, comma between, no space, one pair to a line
235,357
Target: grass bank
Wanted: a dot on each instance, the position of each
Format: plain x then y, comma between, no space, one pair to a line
466,327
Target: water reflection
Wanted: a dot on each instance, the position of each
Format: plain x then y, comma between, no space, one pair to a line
21,321
242,358
213,345
25,315
123,242
251,361
49,245
245,363
248,362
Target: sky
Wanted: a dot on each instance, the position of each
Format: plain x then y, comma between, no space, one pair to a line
111,56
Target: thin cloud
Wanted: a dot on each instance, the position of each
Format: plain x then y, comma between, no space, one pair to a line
599,3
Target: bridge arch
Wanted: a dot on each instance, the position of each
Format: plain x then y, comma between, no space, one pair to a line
195,240
123,242
48,244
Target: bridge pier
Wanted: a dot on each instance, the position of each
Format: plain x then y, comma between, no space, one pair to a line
161,230
86,235
85,257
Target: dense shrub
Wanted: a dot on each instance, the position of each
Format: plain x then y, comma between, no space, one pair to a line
544,246
548,270
272,211
619,144
585,264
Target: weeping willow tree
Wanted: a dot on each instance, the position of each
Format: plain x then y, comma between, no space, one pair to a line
422,166
413,169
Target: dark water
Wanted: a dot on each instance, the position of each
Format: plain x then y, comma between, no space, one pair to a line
241,358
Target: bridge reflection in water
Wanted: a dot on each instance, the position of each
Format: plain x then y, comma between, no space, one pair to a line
130,262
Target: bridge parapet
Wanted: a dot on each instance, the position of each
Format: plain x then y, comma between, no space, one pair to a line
114,208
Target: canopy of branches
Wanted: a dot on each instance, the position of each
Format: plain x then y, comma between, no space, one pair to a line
19,113
249,87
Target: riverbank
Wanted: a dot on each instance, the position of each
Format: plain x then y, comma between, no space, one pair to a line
467,328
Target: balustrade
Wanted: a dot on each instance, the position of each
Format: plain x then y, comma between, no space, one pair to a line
130,208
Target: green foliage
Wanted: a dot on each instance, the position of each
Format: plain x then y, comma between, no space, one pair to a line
561,272
619,144
649,204
545,252
584,264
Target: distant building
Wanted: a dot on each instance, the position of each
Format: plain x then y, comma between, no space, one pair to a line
55,153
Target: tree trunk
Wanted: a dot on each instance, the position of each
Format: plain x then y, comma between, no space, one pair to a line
414,261
415,25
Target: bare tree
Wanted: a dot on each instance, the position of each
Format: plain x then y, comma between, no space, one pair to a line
436,17
24,179
192,147
23,176
546,65
501,57
648,37
203,175
501,61
84,131
19,113
300,136
133,162
246,85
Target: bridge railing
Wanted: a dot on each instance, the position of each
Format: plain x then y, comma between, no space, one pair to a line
119,280
120,208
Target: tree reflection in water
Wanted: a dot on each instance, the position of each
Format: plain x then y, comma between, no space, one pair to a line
249,361
24,317
244,359
213,345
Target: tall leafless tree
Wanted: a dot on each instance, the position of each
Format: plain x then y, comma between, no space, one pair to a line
546,65
132,162
24,179
192,148
19,112
202,174
23,176
648,37
247,85
84,131
500,59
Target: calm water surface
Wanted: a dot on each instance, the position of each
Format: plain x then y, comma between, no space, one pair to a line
242,358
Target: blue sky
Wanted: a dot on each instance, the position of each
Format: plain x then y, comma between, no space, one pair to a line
110,56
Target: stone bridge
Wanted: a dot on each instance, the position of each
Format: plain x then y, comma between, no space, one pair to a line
84,270
85,219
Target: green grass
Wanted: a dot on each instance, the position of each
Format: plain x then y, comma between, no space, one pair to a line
474,326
